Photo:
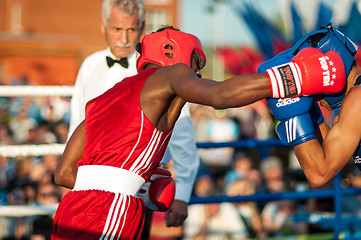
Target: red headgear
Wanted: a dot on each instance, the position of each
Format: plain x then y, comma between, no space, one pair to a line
169,47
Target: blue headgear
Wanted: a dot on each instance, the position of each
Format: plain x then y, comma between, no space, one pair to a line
330,39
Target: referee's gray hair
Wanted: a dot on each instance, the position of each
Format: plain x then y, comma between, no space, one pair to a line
128,6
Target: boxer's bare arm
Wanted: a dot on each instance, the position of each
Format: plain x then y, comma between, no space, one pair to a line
322,162
66,170
166,91
237,91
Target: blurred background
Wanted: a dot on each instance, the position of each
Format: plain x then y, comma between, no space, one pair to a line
44,42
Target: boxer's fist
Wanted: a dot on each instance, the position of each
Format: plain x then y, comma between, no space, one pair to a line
158,191
309,72
296,125
161,193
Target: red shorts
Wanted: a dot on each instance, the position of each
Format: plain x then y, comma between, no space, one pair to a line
96,214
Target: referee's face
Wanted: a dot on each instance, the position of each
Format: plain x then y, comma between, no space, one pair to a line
122,32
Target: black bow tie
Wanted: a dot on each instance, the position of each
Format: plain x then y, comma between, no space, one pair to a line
123,62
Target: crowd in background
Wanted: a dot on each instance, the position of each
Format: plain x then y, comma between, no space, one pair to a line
28,180
223,171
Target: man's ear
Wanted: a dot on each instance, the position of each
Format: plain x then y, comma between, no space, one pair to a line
102,26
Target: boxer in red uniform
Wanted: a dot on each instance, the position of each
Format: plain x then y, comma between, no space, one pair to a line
113,156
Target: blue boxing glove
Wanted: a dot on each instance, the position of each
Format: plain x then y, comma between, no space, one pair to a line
316,114
296,125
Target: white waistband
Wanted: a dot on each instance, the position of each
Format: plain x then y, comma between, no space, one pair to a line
107,178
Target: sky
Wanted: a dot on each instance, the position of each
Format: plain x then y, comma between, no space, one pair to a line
221,26
224,27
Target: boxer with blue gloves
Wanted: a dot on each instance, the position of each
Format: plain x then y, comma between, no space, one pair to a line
323,155
296,123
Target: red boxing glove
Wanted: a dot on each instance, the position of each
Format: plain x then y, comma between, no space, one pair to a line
309,72
158,191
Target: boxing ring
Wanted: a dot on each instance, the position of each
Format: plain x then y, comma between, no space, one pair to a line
337,221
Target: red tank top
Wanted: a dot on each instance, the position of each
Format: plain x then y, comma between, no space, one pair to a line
118,133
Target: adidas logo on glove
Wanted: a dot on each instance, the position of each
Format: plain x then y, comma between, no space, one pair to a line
286,101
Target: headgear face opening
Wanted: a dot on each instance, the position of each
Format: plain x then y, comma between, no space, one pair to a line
169,47
330,39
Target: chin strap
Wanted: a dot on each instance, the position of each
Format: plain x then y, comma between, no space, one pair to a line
358,80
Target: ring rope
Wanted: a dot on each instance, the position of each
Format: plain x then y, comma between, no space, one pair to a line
58,148
24,211
31,150
26,90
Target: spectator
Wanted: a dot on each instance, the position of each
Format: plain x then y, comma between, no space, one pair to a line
277,215
32,137
21,184
200,116
22,172
214,221
48,194
21,124
242,166
61,131
18,227
54,110
272,172
352,204
220,128
30,188
5,135
248,211
44,134
254,120
43,171
204,183
6,172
